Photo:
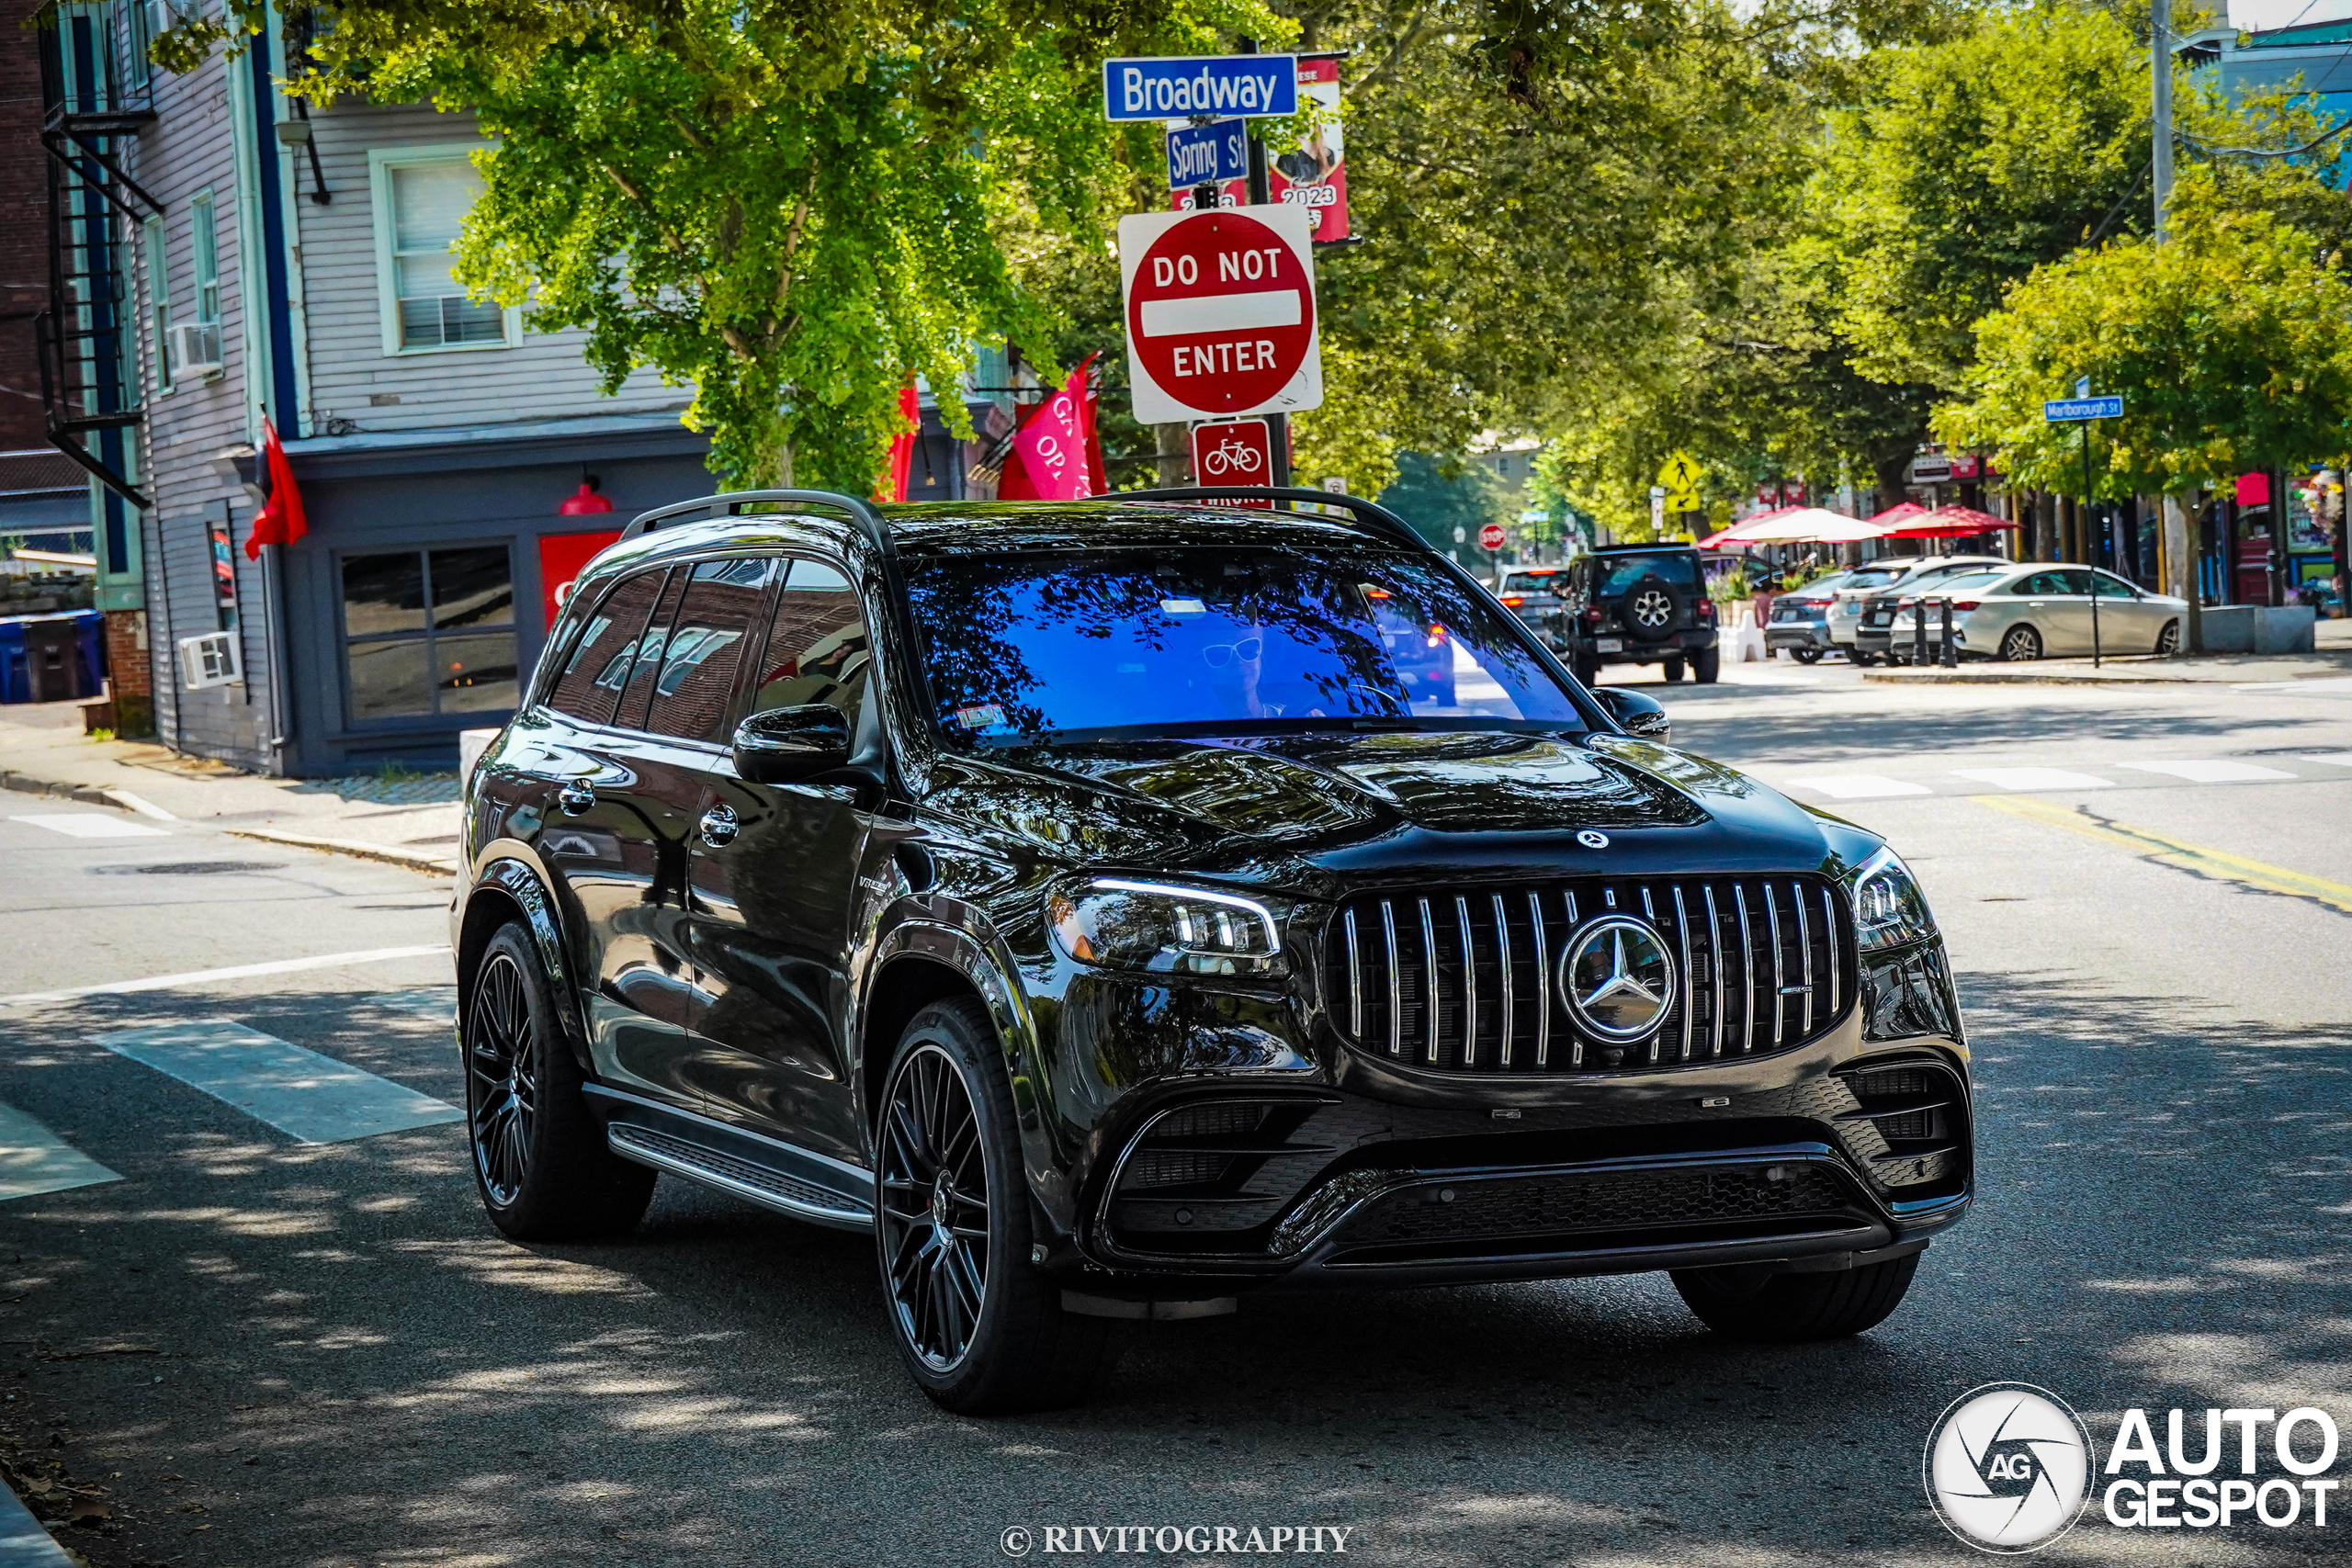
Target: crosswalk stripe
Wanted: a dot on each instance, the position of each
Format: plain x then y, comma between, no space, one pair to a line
1861,787
2033,778
236,972
2189,857
2209,772
308,1097
90,825
33,1160
2341,759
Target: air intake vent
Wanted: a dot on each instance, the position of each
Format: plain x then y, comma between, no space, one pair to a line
1468,980
1909,1126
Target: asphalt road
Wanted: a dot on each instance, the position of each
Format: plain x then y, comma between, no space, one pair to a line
319,1356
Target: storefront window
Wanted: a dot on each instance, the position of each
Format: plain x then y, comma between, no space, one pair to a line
429,632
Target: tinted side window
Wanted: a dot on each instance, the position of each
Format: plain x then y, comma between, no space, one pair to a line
817,649
723,607
2075,581
599,660
649,648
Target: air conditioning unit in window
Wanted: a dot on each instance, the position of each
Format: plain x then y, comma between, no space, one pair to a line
196,349
210,660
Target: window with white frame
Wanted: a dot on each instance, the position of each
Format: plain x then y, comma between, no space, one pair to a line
421,198
159,301
204,244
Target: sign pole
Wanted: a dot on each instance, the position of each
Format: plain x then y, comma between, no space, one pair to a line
2093,552
1277,424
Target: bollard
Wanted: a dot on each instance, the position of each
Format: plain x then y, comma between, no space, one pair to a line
1918,633
1951,659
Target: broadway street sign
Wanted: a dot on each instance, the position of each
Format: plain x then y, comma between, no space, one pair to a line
1224,86
2066,411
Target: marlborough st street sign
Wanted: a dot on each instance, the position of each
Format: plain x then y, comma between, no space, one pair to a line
1220,312
2066,411
1223,85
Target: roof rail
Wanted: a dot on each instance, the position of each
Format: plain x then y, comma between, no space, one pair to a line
1377,518
730,503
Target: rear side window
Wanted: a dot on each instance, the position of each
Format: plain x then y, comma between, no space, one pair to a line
816,649
1623,571
639,693
606,648
722,606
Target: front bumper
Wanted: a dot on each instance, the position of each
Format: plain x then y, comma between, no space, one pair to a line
1380,1173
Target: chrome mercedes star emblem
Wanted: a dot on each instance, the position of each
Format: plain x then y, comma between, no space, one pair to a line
1617,979
1593,839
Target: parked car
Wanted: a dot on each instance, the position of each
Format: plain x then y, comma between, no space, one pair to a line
1800,620
1637,604
1871,637
2025,612
1532,592
1875,577
1079,900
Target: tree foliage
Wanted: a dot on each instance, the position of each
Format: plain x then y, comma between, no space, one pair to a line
2227,344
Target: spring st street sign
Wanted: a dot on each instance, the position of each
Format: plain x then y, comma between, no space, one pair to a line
1249,85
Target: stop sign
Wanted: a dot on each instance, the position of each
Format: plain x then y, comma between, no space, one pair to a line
1220,309
1490,537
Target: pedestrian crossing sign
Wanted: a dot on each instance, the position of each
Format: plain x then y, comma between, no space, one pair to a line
1680,477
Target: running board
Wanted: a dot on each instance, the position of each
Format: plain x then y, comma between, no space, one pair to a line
758,1170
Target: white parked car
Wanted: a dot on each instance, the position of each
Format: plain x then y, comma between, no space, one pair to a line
2033,610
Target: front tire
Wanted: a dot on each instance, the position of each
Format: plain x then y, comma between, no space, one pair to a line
1587,667
1707,664
541,1161
1763,1307
1859,660
1805,655
980,1328
2020,645
1671,668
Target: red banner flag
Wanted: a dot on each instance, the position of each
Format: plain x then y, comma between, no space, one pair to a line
1051,445
280,520
902,445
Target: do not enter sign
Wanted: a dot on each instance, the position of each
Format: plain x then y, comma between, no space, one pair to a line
1220,310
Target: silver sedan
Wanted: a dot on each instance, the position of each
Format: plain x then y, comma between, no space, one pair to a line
2033,610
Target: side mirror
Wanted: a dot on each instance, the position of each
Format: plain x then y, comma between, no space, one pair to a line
787,745
1635,713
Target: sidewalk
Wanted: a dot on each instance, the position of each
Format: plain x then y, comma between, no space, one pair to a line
2331,660
407,819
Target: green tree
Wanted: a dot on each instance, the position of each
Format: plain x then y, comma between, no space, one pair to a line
791,206
1441,496
2226,343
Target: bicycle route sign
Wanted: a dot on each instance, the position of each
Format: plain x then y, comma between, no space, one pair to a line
1236,452
1220,312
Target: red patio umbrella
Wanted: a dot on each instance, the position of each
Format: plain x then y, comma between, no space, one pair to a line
1943,522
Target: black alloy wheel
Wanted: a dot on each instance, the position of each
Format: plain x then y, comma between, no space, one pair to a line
502,1089
934,1219
541,1164
979,1325
2020,645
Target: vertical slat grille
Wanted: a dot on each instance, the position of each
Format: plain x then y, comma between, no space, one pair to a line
1468,981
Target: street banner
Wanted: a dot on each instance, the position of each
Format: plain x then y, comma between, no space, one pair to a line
1051,443
1164,88
1312,175
1220,312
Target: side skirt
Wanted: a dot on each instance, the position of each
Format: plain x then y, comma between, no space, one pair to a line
759,1169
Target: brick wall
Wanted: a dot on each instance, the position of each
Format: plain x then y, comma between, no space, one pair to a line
24,237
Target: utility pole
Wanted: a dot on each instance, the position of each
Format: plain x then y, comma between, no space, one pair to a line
1277,424
2160,108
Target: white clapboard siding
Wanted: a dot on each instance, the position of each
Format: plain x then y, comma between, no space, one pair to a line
352,378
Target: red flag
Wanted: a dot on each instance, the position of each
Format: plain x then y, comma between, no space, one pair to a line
902,447
280,520
1051,445
1097,485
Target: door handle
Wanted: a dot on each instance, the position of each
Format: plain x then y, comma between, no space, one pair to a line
718,825
576,797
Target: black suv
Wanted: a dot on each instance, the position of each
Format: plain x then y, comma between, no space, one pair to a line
1076,896
1637,604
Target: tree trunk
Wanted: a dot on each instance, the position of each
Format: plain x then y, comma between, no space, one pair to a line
2180,560
1174,446
784,467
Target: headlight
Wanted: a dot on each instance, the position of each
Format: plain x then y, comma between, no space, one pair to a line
1150,925
1889,908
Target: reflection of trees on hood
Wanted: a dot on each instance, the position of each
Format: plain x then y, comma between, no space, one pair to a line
973,610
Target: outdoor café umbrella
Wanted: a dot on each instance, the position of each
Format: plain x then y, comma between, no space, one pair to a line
1946,522
1811,526
1737,533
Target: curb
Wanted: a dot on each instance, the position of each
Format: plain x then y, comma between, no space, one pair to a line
88,795
414,861
2020,678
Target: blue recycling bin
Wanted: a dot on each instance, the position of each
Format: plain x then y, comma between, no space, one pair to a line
53,658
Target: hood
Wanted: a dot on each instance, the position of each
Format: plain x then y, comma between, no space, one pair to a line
1322,814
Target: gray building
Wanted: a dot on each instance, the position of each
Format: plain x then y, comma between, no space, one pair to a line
226,256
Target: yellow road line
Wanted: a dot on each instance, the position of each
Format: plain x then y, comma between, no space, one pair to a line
2188,857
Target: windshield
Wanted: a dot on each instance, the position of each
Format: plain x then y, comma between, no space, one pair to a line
1620,573
1135,644
1968,582
1870,578
1528,583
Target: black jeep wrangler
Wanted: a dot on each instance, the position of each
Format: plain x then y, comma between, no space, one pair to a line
1080,900
1637,604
